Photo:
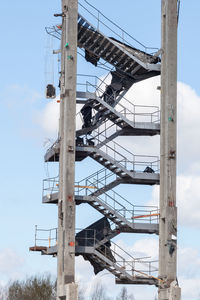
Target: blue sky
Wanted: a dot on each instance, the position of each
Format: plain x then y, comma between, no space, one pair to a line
23,104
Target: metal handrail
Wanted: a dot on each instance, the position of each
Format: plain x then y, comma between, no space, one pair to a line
134,110
49,239
50,185
112,199
123,36
127,159
126,209
120,257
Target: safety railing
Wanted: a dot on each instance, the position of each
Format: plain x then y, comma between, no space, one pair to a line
114,253
117,255
84,187
111,199
83,84
123,157
110,28
45,237
121,206
50,186
132,112
54,146
95,181
103,24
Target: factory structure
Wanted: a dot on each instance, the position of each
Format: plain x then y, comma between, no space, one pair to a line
104,113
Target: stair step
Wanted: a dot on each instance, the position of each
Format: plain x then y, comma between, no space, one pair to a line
102,108
96,155
108,162
114,116
90,40
84,38
118,171
123,174
102,210
98,41
113,167
113,218
101,159
116,55
99,50
97,205
136,68
82,31
108,53
120,121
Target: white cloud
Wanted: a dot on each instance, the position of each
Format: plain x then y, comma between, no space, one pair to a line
145,92
190,288
188,268
11,264
188,199
188,127
49,118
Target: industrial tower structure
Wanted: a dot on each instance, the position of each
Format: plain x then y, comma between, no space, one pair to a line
107,114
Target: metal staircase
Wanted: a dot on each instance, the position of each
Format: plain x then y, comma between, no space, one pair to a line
111,115
117,159
124,269
127,216
120,111
135,63
119,262
102,254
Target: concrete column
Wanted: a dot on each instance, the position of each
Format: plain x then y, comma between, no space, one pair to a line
66,241
71,291
168,152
